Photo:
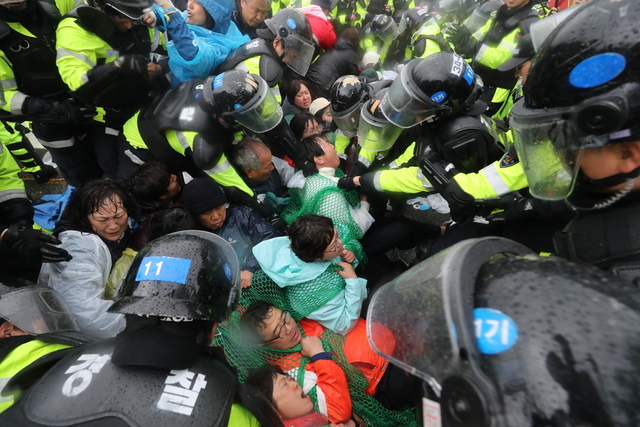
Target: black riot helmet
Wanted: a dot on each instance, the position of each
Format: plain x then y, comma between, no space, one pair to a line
413,19
293,29
348,93
582,91
34,309
438,86
133,9
244,98
455,6
384,27
187,274
506,338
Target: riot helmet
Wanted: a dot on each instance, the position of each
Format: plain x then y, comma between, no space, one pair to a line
188,274
133,9
242,97
481,14
455,6
348,93
506,338
34,309
293,29
582,91
413,19
432,88
375,132
384,27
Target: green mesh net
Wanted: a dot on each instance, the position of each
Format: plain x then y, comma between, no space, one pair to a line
321,196
246,357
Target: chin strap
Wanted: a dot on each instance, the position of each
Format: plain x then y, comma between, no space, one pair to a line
587,196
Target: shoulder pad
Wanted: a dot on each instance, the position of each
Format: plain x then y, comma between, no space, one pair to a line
419,47
248,50
49,7
270,70
206,152
5,30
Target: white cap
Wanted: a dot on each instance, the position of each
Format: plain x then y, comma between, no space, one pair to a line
318,105
370,59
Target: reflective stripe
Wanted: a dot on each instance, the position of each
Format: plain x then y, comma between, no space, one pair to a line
9,84
112,53
376,181
393,165
12,194
16,102
496,181
135,159
60,143
111,131
84,78
218,168
425,182
61,53
481,52
364,161
183,140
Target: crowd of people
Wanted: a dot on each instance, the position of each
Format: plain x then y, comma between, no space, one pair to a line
235,249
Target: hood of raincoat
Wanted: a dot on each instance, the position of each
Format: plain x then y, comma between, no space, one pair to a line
220,11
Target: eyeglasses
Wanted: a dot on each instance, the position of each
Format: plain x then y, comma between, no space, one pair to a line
281,333
335,241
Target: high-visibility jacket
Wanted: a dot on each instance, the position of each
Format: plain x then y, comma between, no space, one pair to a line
11,186
18,359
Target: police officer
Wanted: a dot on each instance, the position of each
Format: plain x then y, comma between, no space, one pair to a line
286,40
502,337
35,325
378,35
105,59
31,83
577,132
160,370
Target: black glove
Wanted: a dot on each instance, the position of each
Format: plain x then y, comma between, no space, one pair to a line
357,168
36,106
279,223
34,243
307,168
460,37
73,112
347,183
136,64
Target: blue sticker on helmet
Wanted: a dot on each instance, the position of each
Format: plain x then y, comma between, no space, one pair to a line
495,331
164,268
439,97
469,74
227,270
291,23
236,106
217,81
597,70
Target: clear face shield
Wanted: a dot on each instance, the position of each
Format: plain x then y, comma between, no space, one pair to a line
389,32
375,134
347,121
37,310
404,105
262,113
298,53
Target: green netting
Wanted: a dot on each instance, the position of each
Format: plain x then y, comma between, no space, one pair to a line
321,196
247,357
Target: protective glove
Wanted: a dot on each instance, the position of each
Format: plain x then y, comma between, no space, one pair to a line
460,37
135,64
358,168
347,183
307,168
34,243
73,112
278,223
36,106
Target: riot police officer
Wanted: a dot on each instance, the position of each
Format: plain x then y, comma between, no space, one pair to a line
160,370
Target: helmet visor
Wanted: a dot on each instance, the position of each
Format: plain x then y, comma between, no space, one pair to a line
389,32
412,310
298,53
130,8
37,310
347,121
376,134
404,106
262,113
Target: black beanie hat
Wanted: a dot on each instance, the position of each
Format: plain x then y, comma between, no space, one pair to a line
201,195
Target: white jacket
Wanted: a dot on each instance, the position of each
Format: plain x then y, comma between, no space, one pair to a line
82,281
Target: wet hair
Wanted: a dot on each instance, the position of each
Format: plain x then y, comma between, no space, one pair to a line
172,219
252,321
310,235
299,123
352,35
263,378
246,155
90,197
294,88
149,181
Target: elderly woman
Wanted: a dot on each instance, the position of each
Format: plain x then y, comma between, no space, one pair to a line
201,37
94,229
